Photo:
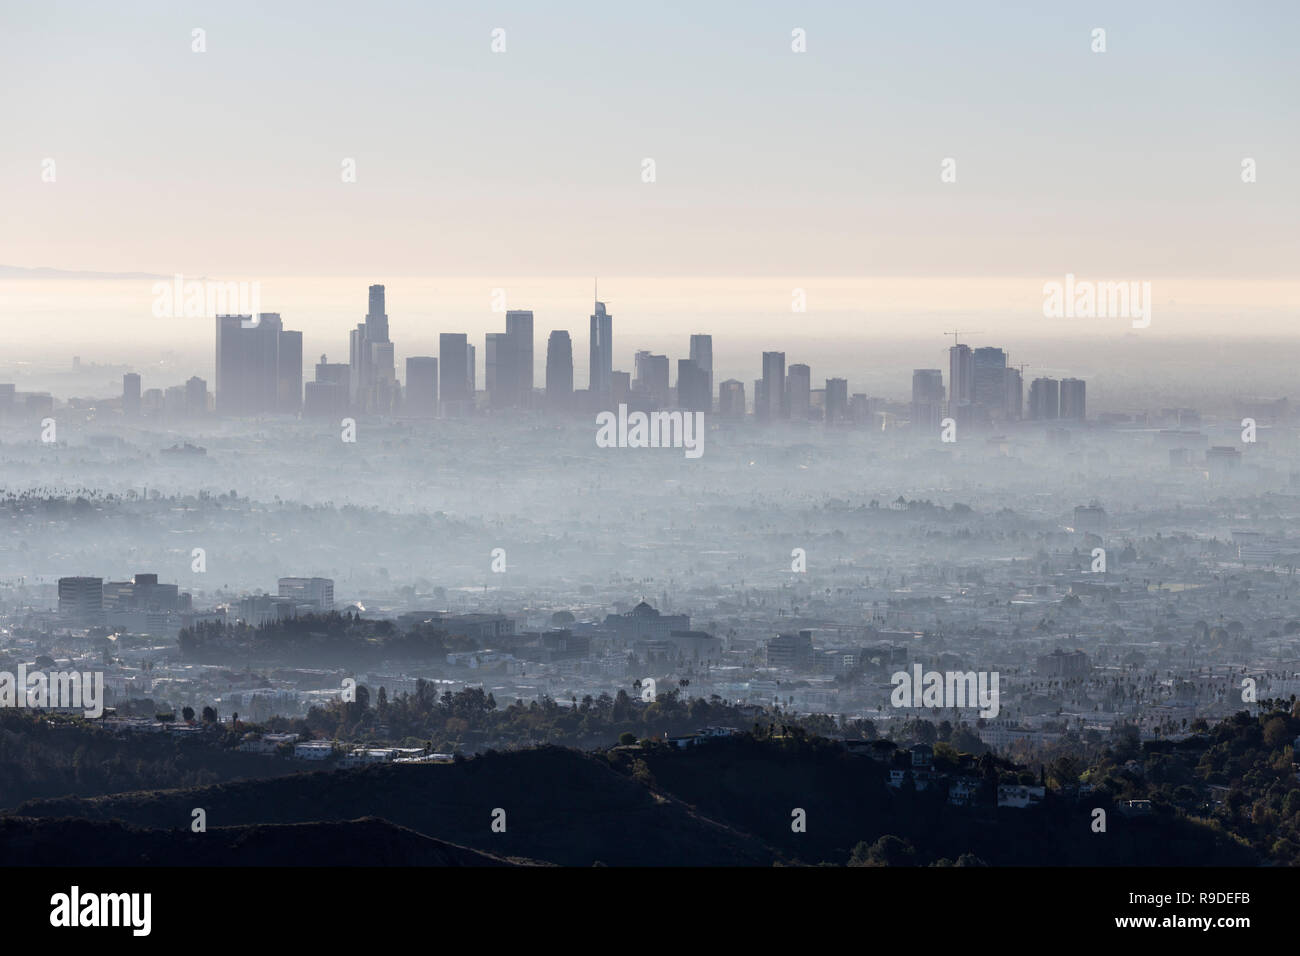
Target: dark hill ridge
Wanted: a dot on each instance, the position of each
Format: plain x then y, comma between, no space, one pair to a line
25,841
562,806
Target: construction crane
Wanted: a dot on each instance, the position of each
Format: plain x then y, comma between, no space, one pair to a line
956,333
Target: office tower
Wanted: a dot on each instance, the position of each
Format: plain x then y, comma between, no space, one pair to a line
927,397
773,405
421,387
692,387
131,394
620,387
196,396
989,381
81,600
501,374
1015,397
559,370
329,395
601,367
731,399
315,593
960,375
651,378
248,366
519,326
1044,399
373,375
1074,399
702,356
837,400
471,369
798,390
454,369
289,373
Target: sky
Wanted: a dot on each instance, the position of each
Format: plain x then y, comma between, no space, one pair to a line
1125,164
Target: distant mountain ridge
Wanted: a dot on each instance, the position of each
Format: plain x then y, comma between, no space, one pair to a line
44,272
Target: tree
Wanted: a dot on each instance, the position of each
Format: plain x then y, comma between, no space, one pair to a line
626,738
187,714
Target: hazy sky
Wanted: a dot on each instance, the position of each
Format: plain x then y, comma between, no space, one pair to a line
1123,164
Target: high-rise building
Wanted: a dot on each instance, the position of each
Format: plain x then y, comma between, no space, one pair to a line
329,395
373,377
702,356
316,593
288,377
421,387
1015,398
651,377
798,390
559,370
454,369
471,369
1044,399
81,600
1074,399
519,326
196,396
248,364
961,379
927,397
620,387
692,387
773,405
989,381
837,400
131,394
731,399
501,377
601,368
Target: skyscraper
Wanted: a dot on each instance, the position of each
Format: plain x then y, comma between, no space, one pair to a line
773,405
601,367
454,369
421,387
651,377
501,374
837,400
927,397
702,356
989,381
1074,399
731,399
373,377
798,388
1044,399
559,370
519,326
289,373
960,376
248,364
692,387
1015,400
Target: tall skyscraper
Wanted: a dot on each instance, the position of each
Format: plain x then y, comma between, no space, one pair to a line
927,397
329,395
798,389
773,405
960,375
501,373
989,381
702,356
601,367
373,378
519,326
196,396
454,369
1015,402
289,373
1074,399
559,370
1044,399
837,400
651,377
248,364
731,399
692,387
131,394
421,387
